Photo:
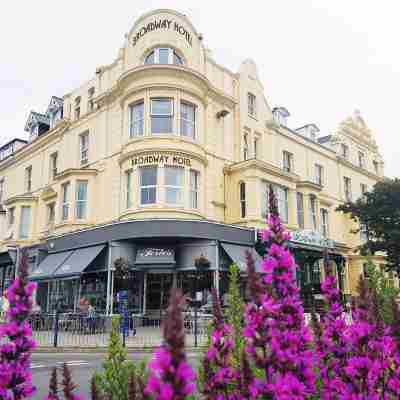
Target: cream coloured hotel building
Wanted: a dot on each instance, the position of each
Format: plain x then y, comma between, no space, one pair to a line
165,156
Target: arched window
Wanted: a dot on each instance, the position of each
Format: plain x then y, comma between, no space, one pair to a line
242,189
163,55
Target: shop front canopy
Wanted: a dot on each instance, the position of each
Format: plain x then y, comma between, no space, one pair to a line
79,260
66,264
237,253
155,259
49,265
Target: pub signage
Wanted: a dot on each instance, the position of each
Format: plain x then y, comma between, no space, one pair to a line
166,24
308,236
155,252
157,158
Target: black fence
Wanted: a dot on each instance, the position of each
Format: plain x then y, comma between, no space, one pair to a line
141,331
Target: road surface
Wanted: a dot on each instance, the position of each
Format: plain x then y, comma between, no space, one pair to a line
82,366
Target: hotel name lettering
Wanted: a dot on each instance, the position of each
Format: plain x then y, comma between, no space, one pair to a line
162,24
151,159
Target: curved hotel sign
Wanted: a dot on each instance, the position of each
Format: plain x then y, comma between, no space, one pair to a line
161,158
166,24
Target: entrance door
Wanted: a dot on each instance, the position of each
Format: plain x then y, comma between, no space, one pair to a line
158,289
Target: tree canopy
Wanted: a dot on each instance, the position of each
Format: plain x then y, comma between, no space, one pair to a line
378,213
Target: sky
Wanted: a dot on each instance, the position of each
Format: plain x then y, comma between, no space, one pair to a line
320,59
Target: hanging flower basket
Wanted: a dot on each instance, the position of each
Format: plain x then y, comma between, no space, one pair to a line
202,263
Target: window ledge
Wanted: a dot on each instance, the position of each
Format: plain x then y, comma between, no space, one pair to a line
160,210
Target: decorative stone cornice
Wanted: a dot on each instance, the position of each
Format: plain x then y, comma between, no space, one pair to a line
309,185
25,198
76,172
48,193
261,166
201,81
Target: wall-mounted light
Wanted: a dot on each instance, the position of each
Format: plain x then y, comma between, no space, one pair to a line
222,114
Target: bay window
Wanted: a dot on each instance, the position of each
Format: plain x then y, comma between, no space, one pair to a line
174,185
188,119
136,119
148,185
282,200
81,199
319,174
25,223
65,201
162,114
194,189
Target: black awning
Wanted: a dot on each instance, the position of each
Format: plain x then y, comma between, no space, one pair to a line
49,265
238,255
5,259
78,262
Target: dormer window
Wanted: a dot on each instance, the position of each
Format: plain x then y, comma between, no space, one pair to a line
33,131
163,55
309,131
55,111
281,115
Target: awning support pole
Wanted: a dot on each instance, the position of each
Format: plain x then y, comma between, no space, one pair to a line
108,281
216,274
144,292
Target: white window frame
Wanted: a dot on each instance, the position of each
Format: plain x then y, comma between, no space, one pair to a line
171,56
324,215
282,197
148,187
287,161
51,221
189,123
28,179
10,217
24,231
245,146
171,115
252,104
256,141
136,126
194,188
300,209
313,212
84,148
361,159
179,189
242,199
53,165
347,188
2,186
319,174
81,204
65,201
128,186
344,151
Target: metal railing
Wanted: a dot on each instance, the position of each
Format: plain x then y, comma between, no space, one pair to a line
137,331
